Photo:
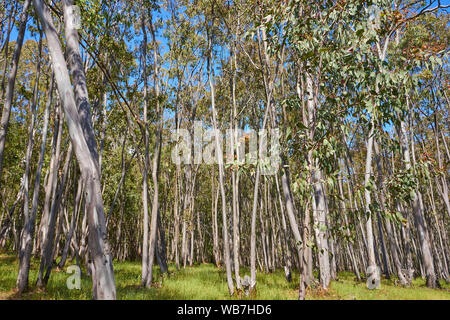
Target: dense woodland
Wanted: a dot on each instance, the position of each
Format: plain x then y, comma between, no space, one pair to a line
359,91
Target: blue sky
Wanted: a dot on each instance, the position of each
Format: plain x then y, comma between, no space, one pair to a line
137,39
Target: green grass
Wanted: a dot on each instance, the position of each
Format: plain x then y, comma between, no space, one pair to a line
204,282
348,289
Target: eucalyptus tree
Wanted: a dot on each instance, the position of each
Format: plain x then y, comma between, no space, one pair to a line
103,276
156,157
218,150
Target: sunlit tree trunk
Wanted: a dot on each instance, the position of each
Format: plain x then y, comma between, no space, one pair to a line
145,266
103,278
156,161
219,154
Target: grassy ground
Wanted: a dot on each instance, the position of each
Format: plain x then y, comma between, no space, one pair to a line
204,282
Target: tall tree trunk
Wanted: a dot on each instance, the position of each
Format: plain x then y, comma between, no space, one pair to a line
235,175
145,240
156,161
103,279
219,155
367,197
177,221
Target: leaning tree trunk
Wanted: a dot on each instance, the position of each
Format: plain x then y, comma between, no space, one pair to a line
103,277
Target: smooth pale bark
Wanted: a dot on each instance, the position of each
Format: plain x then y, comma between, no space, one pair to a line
285,182
263,236
443,181
320,228
368,172
6,112
83,234
103,279
367,196
320,209
177,222
104,119
234,174
103,282
289,203
145,265
156,161
216,249
79,79
191,242
306,259
219,155
183,238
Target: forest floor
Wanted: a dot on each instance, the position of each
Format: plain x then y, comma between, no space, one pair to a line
205,282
